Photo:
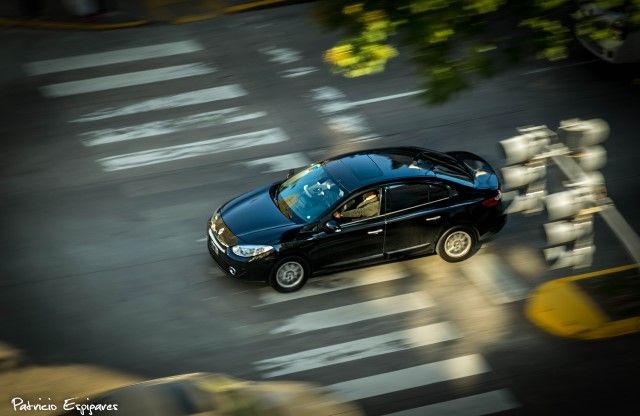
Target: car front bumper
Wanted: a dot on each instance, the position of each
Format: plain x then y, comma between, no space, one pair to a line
243,268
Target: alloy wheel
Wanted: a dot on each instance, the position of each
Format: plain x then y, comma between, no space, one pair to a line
457,244
290,274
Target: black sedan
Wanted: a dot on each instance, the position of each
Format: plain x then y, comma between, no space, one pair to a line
355,209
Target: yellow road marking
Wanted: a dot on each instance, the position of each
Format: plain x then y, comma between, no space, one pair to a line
195,18
70,25
252,5
601,272
562,308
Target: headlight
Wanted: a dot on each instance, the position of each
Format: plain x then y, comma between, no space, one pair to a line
250,250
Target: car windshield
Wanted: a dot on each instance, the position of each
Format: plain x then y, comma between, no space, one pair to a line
308,194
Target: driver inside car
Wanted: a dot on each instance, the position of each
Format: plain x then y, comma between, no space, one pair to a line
368,207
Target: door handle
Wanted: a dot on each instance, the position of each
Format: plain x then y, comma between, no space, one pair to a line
433,218
375,231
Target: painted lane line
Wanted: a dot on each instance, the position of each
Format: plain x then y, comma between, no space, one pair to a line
130,79
279,163
388,97
365,138
156,128
336,106
326,94
358,349
225,92
337,103
111,57
184,151
298,72
335,282
281,55
332,101
349,124
422,375
201,240
356,312
554,68
476,405
491,276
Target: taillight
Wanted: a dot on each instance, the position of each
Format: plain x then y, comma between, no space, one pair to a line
493,201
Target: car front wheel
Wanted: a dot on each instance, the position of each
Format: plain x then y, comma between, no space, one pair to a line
457,244
289,274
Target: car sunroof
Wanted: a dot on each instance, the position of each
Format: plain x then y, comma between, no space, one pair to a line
364,168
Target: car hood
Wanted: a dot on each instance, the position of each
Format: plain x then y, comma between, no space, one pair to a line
254,218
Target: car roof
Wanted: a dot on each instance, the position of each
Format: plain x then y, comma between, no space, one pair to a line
368,167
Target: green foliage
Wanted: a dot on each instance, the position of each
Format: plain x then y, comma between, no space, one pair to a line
455,42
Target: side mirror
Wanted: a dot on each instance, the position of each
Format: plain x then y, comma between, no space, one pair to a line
332,226
290,173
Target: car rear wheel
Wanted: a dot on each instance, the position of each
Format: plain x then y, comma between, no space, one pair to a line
289,274
457,244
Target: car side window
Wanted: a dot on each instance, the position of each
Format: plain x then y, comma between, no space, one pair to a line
438,192
406,196
365,205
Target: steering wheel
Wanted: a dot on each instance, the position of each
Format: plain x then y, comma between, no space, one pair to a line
317,189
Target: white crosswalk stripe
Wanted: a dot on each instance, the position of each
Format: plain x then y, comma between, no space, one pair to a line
156,128
201,120
408,378
355,350
189,150
111,57
474,405
203,96
335,282
356,312
130,79
491,276
279,163
379,346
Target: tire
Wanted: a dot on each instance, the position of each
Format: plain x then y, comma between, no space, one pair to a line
293,267
457,243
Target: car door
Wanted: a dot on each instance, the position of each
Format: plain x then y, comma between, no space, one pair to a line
415,215
355,241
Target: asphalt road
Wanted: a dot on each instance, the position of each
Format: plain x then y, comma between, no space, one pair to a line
108,179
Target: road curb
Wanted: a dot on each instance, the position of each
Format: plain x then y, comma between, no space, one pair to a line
62,25
259,4
40,24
